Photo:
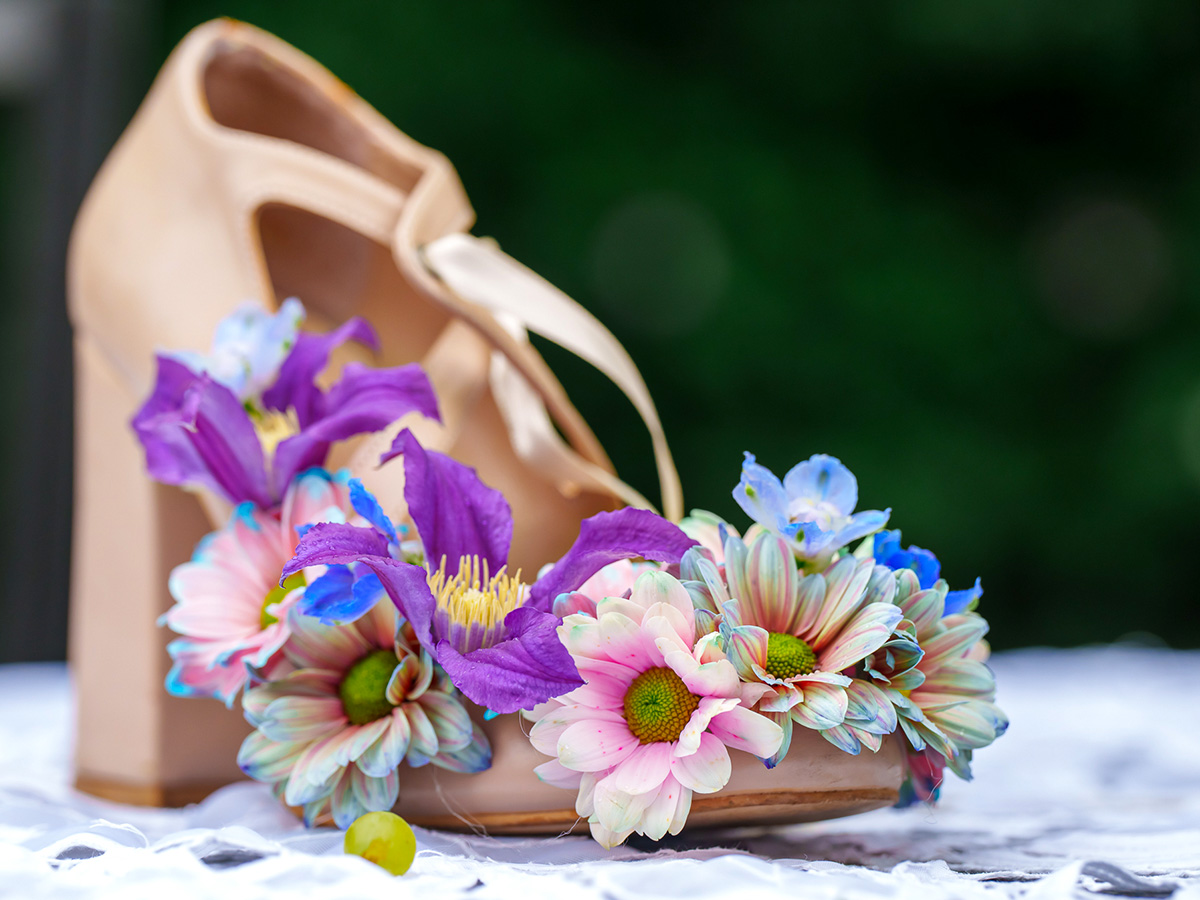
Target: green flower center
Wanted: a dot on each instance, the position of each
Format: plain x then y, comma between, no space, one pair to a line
658,706
788,656
364,689
277,593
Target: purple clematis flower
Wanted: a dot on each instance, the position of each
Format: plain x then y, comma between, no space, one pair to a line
887,552
197,432
495,636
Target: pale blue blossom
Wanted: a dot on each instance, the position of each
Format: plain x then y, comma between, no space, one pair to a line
812,508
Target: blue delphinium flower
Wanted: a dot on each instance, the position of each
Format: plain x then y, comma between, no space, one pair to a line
887,552
248,348
812,508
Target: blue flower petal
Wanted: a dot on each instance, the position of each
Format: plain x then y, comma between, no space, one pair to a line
332,598
368,507
960,601
887,543
860,525
824,479
760,493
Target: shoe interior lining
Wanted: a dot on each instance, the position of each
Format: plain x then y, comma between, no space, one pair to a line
338,273
248,91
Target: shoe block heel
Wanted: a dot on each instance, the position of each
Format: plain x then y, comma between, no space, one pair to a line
134,742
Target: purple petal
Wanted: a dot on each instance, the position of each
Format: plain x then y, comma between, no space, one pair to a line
527,668
456,514
197,434
363,401
605,538
330,543
408,587
295,386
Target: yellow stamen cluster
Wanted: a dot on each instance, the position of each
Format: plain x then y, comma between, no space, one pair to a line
274,428
474,596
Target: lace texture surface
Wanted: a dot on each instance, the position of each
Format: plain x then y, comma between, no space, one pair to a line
1095,790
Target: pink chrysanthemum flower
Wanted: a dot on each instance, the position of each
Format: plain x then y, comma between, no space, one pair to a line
363,697
229,606
797,638
944,694
655,718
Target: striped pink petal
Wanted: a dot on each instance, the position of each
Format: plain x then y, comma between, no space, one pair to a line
295,718
423,742
824,706
772,582
316,646
865,633
846,580
388,751
449,718
374,794
953,642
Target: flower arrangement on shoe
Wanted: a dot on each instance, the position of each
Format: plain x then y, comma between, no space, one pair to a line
365,647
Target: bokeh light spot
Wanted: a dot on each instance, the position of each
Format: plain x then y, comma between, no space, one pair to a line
660,260
1189,434
1102,269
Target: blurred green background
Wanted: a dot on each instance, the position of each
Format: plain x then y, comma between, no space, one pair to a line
951,244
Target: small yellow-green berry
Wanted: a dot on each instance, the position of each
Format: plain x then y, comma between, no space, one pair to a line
385,839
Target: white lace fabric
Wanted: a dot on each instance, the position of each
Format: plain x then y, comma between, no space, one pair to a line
1094,790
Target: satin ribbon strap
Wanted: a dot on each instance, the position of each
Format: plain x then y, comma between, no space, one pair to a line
482,273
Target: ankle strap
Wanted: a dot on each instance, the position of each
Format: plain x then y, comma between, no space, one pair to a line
265,170
482,273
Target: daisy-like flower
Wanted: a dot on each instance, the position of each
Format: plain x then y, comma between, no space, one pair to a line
331,734
229,607
797,638
945,696
655,718
494,635
812,508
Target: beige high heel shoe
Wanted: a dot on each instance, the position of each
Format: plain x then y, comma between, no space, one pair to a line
251,172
